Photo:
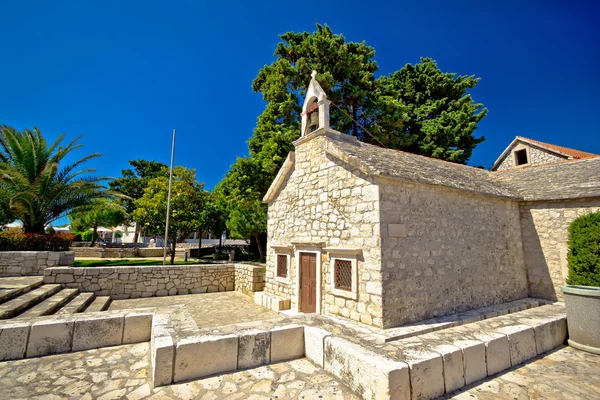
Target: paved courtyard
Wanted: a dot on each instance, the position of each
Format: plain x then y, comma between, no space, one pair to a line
122,373
565,373
208,309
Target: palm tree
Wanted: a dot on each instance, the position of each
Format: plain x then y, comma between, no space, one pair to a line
39,190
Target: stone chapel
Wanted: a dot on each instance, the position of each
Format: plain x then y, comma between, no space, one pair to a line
386,237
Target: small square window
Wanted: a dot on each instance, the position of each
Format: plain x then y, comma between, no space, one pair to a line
521,157
343,274
282,262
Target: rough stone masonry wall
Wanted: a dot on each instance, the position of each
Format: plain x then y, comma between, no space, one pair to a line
535,157
21,263
147,281
545,231
321,202
452,251
249,278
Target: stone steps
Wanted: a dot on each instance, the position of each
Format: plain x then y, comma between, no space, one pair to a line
16,306
100,303
13,287
51,304
77,305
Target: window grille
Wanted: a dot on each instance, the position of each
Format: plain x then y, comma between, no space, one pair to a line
343,274
282,265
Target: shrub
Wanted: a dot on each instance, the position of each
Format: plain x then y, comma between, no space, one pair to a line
11,241
77,236
584,251
86,236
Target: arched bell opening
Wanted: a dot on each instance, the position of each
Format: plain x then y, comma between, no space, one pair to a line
312,116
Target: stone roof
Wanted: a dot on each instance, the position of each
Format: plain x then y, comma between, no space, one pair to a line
412,167
562,180
574,178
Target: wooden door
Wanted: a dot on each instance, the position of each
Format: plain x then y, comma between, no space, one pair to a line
308,282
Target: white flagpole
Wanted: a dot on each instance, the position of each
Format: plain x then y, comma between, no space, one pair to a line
166,242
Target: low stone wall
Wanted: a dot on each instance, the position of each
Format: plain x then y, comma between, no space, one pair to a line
107,252
249,278
147,281
24,263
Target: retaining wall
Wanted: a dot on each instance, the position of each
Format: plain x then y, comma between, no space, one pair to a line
130,252
170,280
22,263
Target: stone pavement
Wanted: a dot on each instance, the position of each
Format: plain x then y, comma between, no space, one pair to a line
208,309
122,373
565,373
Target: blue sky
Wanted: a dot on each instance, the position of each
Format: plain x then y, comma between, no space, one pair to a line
124,74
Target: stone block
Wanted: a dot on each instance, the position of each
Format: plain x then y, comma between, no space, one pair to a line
50,337
197,357
454,372
473,359
521,340
314,342
550,335
287,343
138,328
96,332
13,340
368,374
497,351
426,374
163,351
254,349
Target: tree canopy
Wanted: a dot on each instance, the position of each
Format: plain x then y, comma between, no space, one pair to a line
188,199
133,182
101,212
39,187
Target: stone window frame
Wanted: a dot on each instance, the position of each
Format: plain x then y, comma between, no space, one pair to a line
279,278
514,154
283,251
346,254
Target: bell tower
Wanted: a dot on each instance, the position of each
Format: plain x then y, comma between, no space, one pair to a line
315,111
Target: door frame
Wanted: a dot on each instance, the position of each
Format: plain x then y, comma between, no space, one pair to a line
317,251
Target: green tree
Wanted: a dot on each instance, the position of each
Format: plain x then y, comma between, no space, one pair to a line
133,182
584,251
188,200
39,189
240,193
440,117
6,215
101,212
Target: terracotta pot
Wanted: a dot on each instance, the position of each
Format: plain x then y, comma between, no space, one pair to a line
582,304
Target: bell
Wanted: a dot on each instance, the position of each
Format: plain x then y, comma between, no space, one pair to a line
313,122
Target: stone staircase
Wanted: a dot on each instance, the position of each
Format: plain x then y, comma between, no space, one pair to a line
27,297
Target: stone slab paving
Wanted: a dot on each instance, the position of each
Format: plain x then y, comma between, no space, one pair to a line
208,309
565,373
122,373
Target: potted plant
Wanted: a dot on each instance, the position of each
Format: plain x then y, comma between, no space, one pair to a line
582,292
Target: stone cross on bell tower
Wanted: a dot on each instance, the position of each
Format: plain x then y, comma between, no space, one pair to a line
315,111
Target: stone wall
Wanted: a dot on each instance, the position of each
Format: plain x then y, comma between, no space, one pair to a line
20,263
535,156
146,281
130,252
249,278
325,203
545,231
446,251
